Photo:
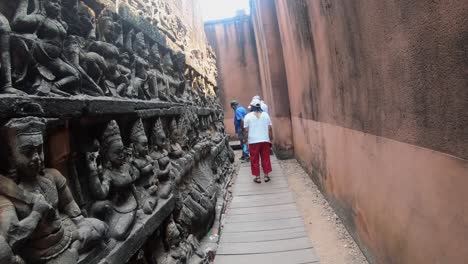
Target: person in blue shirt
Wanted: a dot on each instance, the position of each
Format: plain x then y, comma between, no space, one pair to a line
239,113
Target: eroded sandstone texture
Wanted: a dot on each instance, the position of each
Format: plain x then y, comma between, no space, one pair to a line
112,138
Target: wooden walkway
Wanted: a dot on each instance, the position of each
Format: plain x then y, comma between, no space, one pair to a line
263,225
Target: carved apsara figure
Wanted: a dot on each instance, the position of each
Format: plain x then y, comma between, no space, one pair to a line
115,191
147,184
40,219
179,77
157,72
114,82
172,85
160,154
176,150
143,82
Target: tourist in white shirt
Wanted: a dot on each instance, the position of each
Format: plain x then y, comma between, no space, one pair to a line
258,130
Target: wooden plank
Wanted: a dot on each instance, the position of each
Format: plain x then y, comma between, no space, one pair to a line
264,225
264,246
262,216
249,178
288,257
268,235
273,179
261,192
258,187
261,203
263,185
262,197
265,209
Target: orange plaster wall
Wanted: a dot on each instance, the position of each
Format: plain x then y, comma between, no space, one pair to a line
403,203
238,75
379,117
273,74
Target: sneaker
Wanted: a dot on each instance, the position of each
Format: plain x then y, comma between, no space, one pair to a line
245,160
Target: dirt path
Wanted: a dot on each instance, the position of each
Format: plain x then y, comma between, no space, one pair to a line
331,240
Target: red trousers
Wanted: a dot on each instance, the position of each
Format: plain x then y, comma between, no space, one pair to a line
257,151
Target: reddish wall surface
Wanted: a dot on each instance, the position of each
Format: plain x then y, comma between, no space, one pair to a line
273,74
379,99
238,76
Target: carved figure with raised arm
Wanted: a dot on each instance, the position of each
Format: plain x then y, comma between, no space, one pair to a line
114,189
38,215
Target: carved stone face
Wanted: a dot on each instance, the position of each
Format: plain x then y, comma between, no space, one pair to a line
141,146
116,153
125,59
87,18
140,46
52,8
161,142
108,27
29,155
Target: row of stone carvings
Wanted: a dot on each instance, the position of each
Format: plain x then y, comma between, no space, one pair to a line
42,222
63,48
160,14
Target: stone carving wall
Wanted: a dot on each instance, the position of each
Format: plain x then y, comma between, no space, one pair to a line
112,144
64,48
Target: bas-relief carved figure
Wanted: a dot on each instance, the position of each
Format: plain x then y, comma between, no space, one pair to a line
115,191
144,81
115,77
176,150
159,153
178,247
40,220
147,184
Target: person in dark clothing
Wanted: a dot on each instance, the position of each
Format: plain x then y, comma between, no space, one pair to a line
239,113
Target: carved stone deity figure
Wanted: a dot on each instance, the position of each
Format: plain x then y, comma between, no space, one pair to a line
159,153
182,161
87,21
115,191
143,81
147,184
39,217
180,70
157,71
172,82
215,132
91,65
40,36
203,133
6,85
176,150
178,249
114,83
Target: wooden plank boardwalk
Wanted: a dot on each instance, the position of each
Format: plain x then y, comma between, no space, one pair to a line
263,224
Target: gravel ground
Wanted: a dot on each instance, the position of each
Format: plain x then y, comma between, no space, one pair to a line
331,240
